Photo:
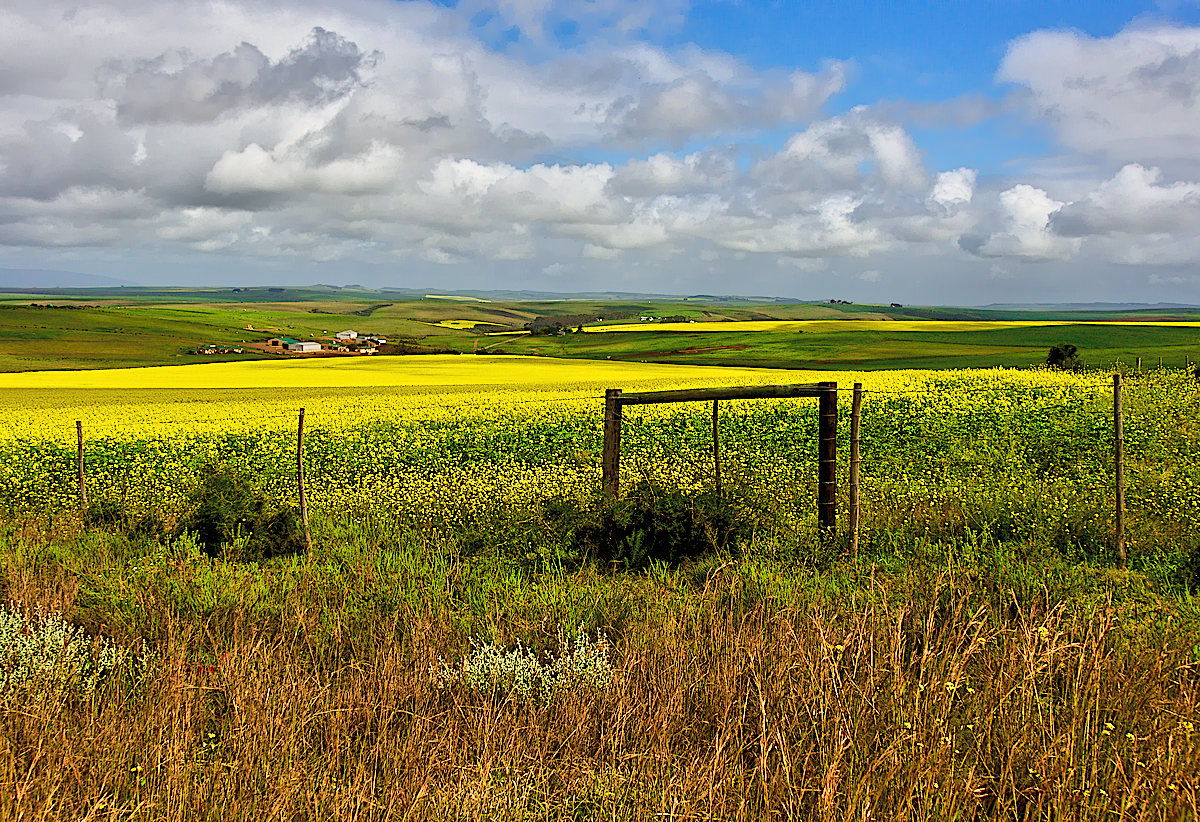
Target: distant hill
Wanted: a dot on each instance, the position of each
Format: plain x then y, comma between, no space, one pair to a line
55,284
49,278
1088,306
593,296
61,284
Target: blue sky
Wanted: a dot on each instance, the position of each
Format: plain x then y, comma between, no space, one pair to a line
922,52
916,151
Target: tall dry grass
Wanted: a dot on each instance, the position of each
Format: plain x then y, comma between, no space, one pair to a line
917,698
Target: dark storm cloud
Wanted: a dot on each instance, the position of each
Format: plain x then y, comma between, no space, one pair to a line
44,158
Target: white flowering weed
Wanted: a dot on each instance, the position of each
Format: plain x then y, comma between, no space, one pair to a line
43,655
583,664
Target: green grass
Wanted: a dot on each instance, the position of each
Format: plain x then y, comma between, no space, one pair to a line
49,338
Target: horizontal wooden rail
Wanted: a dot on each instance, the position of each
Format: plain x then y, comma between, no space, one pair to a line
748,392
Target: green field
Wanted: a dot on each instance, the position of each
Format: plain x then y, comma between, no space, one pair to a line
1101,346
109,328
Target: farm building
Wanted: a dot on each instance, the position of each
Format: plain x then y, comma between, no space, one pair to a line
347,335
290,344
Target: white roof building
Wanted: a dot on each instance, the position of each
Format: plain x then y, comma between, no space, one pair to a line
347,335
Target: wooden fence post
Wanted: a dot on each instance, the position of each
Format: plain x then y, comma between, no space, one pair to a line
611,457
83,505
1119,466
855,412
300,481
716,450
827,413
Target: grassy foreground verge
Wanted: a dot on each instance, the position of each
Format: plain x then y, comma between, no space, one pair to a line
958,679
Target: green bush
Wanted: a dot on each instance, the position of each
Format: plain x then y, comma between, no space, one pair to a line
1189,568
648,524
229,512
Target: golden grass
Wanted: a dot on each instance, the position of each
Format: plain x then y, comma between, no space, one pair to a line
921,705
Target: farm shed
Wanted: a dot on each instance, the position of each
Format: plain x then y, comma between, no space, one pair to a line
303,347
281,342
347,335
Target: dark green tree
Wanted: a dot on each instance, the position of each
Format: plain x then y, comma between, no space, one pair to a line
1063,355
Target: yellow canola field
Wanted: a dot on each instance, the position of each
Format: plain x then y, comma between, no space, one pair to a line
348,394
457,325
440,370
456,298
448,438
829,326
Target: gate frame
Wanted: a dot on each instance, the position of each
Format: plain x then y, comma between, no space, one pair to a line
827,415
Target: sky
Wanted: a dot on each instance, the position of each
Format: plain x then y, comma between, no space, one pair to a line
920,152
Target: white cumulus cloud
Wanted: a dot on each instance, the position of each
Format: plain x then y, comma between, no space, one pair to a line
1026,232
1131,97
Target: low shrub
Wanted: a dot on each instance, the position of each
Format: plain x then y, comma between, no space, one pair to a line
648,524
1189,568
42,656
228,512
522,674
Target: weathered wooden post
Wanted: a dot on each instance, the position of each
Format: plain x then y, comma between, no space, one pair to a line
611,457
827,413
83,506
716,450
1119,467
855,412
300,481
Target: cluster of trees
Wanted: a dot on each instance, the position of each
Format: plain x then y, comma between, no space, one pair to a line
553,330
1063,355
565,323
